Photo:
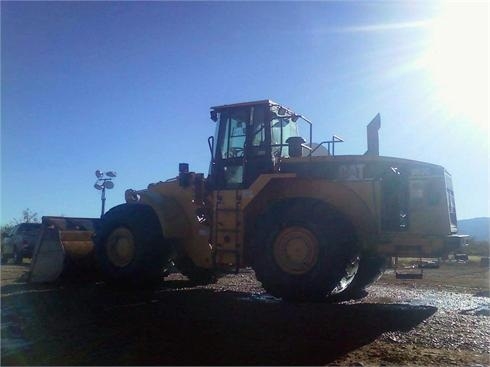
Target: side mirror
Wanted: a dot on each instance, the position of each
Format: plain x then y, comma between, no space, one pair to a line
214,116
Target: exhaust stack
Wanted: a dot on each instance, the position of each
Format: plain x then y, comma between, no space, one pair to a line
372,136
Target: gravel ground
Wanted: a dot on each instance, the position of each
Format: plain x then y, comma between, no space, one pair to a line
435,321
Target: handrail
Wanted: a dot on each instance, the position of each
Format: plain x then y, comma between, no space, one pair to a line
335,139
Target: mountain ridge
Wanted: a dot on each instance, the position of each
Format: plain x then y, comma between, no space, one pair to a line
478,228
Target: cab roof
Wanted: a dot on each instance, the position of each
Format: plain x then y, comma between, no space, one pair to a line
244,104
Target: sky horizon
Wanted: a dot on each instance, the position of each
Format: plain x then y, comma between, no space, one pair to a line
127,86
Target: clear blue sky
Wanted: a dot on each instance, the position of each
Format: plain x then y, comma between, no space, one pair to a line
127,86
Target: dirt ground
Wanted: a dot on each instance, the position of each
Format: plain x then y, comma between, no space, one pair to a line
440,320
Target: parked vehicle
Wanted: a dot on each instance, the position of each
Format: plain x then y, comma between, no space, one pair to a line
19,242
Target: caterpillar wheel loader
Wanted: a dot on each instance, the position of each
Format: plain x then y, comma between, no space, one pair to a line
311,224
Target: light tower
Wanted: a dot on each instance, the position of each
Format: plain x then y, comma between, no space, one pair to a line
104,181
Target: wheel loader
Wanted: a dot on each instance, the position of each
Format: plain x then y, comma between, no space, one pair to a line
310,223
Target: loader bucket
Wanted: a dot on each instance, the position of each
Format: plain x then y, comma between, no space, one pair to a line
64,250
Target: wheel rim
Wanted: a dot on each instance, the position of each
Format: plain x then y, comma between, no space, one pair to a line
296,250
120,247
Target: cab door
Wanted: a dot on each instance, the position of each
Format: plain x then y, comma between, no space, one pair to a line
230,149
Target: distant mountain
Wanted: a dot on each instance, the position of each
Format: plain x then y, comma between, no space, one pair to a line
478,228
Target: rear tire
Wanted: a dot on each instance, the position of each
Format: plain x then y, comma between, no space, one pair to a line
130,247
304,251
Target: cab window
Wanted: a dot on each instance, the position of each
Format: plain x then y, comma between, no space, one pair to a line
282,128
232,140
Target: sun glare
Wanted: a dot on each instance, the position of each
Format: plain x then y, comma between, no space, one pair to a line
457,59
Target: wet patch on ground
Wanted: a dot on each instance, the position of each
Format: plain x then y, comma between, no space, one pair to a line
444,301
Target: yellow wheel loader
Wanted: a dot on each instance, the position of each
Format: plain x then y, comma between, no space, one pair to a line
311,224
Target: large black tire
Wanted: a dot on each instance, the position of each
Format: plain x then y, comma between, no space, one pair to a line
304,250
195,274
130,247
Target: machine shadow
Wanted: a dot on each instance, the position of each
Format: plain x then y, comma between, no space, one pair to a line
237,329
99,325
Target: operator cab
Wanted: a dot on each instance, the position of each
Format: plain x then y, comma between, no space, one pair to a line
250,138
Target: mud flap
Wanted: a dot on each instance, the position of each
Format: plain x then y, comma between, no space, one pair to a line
64,249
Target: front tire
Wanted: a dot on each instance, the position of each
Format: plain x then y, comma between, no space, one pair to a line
304,251
130,247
